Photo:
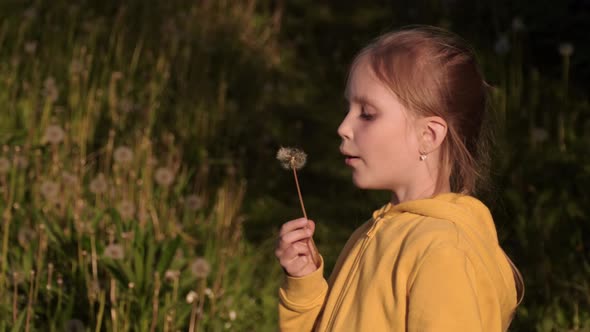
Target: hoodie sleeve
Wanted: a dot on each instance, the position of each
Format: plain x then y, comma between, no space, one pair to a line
442,296
301,300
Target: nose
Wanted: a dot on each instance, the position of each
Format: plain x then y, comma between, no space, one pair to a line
345,130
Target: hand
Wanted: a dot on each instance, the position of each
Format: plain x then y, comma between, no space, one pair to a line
293,247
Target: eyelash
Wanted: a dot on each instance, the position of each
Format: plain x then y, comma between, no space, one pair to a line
365,116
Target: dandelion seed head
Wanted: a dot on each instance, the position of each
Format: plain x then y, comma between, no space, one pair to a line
171,275
4,165
164,176
566,49
69,179
193,202
517,24
502,45
126,209
114,251
49,190
50,89
99,185
30,47
291,158
123,155
539,135
76,67
54,134
200,267
191,297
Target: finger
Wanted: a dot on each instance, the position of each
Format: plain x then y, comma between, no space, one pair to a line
294,236
293,255
292,225
298,264
295,250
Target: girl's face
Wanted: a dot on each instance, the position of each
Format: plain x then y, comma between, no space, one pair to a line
379,141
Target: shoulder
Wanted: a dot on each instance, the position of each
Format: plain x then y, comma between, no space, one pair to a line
426,233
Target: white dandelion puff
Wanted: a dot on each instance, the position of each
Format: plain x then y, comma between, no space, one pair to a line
49,190
54,134
566,49
164,176
191,297
200,267
123,155
114,251
30,47
193,202
502,45
126,209
99,185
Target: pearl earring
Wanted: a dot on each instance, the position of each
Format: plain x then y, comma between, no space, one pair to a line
422,157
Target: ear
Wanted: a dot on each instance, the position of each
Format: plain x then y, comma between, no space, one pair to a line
433,130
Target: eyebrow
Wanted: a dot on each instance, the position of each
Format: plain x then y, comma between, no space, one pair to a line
360,100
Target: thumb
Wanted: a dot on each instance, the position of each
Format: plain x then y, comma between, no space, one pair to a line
311,225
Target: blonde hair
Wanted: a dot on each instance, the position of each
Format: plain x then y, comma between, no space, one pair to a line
433,72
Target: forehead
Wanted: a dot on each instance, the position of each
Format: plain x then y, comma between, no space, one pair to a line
363,84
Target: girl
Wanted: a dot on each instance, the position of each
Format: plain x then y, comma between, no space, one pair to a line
428,260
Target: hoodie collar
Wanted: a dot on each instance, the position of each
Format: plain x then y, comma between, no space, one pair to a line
464,210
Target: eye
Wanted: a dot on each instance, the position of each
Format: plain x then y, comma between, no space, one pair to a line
366,115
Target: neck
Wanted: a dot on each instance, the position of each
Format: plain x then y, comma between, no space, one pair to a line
417,191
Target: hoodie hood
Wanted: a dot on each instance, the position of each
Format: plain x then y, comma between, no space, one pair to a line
474,218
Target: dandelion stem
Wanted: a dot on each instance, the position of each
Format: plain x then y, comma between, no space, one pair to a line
299,192
310,244
30,302
155,302
102,300
14,299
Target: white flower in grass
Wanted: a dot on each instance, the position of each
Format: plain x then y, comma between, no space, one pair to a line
193,202
50,89
99,185
200,267
191,297
232,315
126,209
69,179
209,293
517,24
74,325
76,67
566,49
123,155
54,134
114,251
502,45
164,176
227,325
171,275
30,47
4,165
539,135
49,190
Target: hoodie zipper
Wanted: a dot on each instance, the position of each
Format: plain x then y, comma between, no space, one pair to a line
368,235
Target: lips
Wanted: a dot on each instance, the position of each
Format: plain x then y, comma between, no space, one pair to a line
350,159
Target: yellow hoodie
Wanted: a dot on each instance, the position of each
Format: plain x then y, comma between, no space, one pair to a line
425,265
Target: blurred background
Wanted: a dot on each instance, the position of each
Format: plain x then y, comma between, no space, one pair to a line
139,189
